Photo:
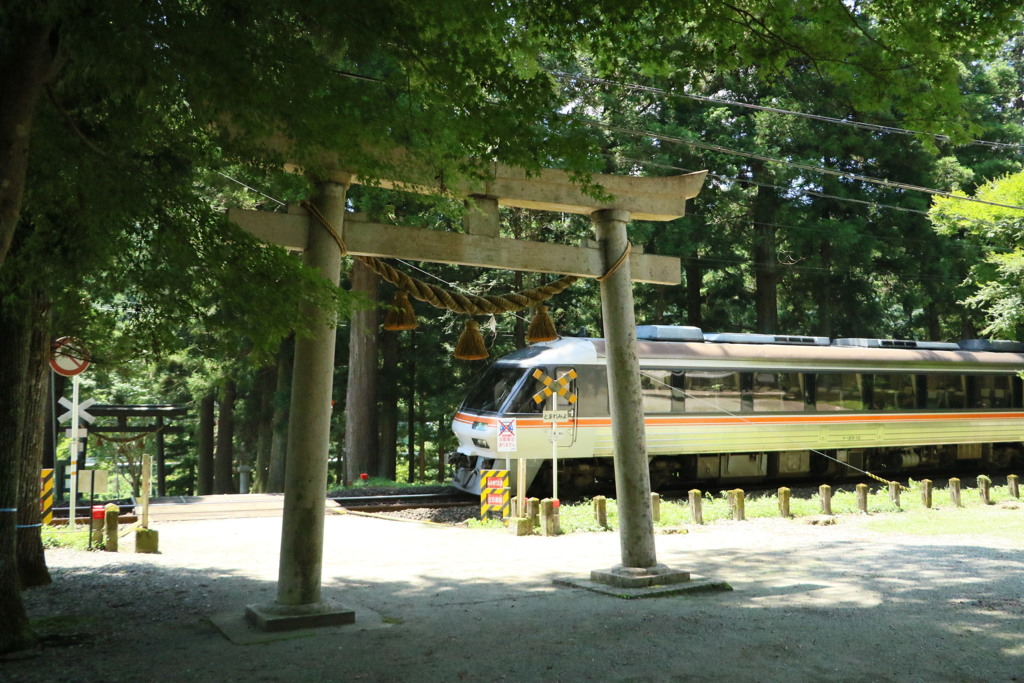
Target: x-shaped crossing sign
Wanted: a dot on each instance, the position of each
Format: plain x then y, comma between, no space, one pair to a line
558,386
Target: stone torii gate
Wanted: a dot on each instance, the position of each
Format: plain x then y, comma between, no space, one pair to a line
299,602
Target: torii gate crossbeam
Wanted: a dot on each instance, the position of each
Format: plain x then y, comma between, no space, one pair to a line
299,602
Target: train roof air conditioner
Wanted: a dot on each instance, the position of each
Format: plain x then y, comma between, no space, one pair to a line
669,333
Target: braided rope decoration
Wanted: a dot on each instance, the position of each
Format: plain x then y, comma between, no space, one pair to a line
467,304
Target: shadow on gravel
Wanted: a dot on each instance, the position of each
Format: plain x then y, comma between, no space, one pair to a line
835,611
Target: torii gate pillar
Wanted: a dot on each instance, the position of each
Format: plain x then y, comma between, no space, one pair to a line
299,603
632,476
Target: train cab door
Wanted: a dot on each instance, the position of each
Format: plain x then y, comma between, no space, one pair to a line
568,401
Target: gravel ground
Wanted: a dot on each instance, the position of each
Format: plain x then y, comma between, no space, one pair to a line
810,603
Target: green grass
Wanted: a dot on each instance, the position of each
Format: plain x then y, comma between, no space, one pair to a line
63,537
910,516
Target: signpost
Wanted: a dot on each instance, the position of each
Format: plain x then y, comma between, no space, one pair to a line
70,359
554,416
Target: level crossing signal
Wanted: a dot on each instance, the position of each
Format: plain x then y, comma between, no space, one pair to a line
558,386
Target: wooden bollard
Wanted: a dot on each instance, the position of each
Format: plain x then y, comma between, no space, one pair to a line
825,493
926,492
695,506
739,507
862,498
549,523
601,511
954,492
655,507
784,496
111,513
1012,480
533,511
985,489
894,493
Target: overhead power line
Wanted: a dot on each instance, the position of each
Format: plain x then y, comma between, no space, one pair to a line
746,181
874,127
794,164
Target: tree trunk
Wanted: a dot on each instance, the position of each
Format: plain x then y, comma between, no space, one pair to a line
225,455
823,292
266,384
520,324
694,282
204,439
387,443
410,416
440,441
766,261
32,570
27,56
282,401
15,633
360,446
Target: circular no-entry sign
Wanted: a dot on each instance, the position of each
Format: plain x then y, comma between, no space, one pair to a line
69,357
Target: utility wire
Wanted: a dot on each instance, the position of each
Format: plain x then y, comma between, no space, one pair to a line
758,107
816,193
793,164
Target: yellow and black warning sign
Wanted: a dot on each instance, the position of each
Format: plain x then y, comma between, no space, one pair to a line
558,386
495,495
46,496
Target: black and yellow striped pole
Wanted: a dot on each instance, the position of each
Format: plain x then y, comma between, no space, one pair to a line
46,496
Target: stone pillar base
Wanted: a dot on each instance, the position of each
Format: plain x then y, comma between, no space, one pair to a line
272,616
643,582
639,577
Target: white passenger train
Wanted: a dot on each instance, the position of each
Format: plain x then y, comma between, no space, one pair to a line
725,408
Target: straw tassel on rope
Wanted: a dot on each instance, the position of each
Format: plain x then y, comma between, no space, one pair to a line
400,315
542,328
471,344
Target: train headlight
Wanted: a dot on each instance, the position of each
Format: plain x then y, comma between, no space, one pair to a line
479,426
480,443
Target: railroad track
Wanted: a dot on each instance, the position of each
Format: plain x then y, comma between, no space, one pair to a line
185,508
396,503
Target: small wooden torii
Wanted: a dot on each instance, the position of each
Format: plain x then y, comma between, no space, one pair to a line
299,602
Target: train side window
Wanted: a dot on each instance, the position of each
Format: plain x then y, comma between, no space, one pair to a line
945,392
893,391
992,391
838,391
712,391
656,391
778,392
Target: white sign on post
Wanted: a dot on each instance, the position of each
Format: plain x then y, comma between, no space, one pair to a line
507,435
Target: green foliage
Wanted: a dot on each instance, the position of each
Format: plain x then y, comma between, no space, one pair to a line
995,230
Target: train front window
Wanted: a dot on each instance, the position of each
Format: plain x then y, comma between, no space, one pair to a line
493,389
